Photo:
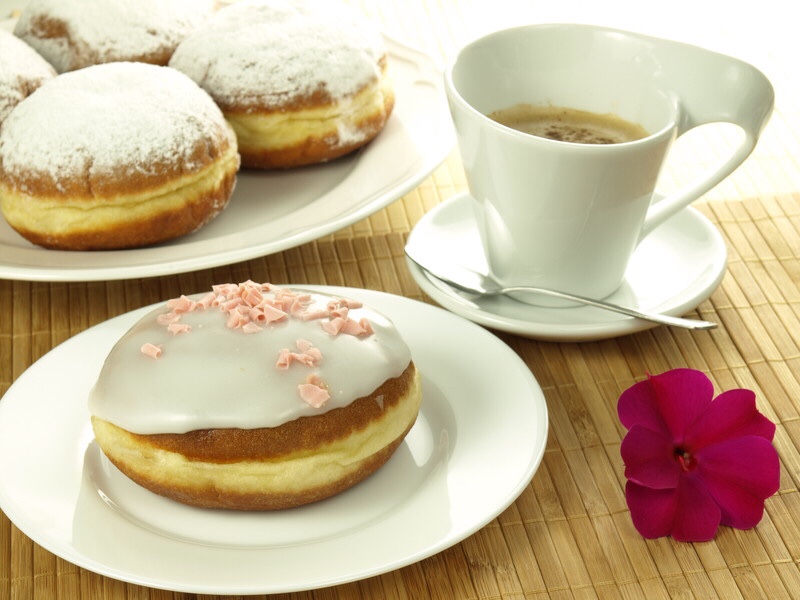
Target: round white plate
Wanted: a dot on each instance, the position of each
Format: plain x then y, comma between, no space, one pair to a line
479,438
273,211
673,270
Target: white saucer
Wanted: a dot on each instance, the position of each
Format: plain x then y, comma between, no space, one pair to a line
479,438
673,270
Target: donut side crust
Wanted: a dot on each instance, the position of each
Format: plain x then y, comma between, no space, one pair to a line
125,220
295,472
296,438
299,135
264,499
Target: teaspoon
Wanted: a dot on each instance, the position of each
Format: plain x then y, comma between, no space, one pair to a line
467,280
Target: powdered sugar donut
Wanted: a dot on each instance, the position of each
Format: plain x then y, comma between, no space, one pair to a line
300,81
115,156
72,34
22,70
255,397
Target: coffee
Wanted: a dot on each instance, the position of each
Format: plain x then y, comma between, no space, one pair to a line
569,124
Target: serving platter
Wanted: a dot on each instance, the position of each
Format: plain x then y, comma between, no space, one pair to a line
273,211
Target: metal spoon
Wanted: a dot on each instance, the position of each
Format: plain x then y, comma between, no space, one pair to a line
467,280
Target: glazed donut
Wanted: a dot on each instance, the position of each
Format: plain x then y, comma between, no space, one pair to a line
113,156
22,70
255,397
300,81
72,34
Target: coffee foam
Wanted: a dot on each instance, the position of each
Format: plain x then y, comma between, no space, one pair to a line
569,125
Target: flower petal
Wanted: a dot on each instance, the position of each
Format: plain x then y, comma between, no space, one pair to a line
687,512
740,474
698,516
638,406
669,402
649,458
683,395
750,461
732,414
652,511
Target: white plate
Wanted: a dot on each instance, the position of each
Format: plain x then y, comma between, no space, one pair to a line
273,211
673,270
480,437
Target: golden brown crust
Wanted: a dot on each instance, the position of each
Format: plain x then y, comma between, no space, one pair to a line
133,232
87,184
210,497
22,72
301,461
295,437
255,102
316,149
309,130
79,54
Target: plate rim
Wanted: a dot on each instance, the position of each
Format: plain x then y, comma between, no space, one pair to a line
521,480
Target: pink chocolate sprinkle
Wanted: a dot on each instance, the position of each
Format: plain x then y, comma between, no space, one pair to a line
151,350
249,309
313,391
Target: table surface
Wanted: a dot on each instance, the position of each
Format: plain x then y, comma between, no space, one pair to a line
569,534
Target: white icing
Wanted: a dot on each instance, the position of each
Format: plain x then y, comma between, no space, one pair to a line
273,52
111,30
109,119
21,71
214,376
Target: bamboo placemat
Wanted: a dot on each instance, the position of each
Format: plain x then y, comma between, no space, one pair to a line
569,534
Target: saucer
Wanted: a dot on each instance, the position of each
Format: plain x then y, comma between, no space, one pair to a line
672,271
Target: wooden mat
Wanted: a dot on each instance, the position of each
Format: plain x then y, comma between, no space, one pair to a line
569,534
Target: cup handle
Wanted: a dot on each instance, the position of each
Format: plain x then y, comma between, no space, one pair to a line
712,88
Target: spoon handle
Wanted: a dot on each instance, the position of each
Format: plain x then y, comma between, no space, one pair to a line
476,284
631,312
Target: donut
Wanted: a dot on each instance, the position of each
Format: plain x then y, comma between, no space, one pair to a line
22,70
301,81
73,34
113,156
255,397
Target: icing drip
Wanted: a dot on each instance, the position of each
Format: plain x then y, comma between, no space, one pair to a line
189,365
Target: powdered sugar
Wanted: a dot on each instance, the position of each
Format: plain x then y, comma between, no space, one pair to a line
272,52
107,30
22,70
109,119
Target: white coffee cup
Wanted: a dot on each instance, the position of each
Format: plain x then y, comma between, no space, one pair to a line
568,216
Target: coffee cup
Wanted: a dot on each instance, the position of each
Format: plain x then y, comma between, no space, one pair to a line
559,211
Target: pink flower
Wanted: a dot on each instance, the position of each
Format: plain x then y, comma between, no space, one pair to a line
694,462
